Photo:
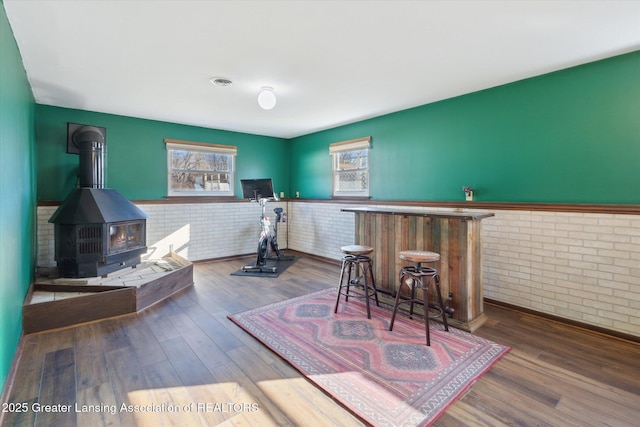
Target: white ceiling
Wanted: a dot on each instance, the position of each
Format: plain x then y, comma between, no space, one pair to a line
330,62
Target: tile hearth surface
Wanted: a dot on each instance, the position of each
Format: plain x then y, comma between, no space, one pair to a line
144,273
64,302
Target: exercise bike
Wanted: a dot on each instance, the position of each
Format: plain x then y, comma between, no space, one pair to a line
268,241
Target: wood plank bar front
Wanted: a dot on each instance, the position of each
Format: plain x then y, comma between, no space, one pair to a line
454,235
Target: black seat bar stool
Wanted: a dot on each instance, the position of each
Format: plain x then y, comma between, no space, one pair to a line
417,275
357,266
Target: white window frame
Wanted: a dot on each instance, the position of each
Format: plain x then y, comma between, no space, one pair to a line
200,147
351,145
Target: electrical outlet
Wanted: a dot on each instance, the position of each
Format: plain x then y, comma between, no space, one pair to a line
469,196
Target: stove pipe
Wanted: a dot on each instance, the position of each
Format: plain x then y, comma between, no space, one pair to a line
90,143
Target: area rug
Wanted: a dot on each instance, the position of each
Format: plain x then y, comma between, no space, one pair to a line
384,378
280,266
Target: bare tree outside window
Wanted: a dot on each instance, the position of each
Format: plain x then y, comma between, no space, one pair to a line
199,171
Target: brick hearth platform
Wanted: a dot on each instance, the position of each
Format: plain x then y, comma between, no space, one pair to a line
58,303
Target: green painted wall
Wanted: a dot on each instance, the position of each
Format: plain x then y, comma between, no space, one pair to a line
567,137
136,153
571,136
17,193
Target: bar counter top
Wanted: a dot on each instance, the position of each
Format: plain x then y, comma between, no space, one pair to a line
421,212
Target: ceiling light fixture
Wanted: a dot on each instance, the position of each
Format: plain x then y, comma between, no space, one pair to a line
266,98
220,81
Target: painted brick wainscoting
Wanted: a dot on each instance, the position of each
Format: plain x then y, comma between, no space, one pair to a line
579,266
583,267
198,231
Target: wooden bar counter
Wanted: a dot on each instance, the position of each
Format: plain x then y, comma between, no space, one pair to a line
454,235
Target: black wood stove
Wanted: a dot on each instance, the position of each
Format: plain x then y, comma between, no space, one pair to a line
97,230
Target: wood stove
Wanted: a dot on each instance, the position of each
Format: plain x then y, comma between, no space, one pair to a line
97,230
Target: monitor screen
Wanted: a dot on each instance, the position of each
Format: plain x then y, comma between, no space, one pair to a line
256,189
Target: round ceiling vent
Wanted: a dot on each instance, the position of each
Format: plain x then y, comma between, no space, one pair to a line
220,81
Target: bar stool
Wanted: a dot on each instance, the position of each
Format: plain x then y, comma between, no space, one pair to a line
417,275
357,260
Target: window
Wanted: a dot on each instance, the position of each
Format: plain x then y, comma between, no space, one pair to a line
200,169
351,167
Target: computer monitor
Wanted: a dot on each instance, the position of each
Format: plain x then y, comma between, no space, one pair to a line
256,189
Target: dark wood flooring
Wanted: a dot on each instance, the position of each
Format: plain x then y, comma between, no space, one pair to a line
184,352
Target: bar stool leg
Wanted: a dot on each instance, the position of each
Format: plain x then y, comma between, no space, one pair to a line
397,302
425,298
373,283
365,288
349,270
345,265
407,272
413,295
441,302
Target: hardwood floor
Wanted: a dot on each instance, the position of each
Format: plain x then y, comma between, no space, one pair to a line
184,353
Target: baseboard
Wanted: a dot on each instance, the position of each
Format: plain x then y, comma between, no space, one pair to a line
288,251
591,328
11,376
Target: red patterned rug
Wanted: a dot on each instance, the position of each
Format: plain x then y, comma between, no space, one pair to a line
385,378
